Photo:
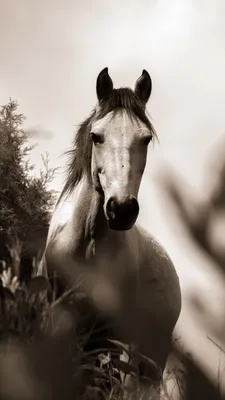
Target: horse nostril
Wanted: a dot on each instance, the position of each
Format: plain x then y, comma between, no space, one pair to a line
111,208
133,205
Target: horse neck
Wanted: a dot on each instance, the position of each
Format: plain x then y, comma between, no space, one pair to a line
88,222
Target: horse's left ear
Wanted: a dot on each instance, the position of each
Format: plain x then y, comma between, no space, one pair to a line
104,85
143,86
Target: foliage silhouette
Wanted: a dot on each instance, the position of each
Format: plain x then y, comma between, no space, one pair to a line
25,200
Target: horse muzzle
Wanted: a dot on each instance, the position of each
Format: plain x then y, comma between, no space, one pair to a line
121,215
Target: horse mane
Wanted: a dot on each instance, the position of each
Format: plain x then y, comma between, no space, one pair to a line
80,154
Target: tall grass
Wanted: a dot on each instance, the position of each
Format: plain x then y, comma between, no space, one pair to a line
43,353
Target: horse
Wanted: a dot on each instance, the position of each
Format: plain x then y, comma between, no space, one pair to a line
94,233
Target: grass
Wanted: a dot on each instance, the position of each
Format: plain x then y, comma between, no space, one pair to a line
42,348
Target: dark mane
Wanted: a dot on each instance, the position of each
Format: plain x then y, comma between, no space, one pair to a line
80,154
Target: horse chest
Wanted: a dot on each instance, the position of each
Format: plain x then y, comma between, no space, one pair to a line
118,257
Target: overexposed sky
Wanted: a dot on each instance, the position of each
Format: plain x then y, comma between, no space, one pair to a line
52,51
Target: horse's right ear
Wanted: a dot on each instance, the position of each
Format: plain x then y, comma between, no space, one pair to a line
104,85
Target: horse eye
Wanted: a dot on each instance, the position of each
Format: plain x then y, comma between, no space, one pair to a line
147,140
96,138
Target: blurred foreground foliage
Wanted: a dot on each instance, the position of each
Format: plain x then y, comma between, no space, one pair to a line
204,222
43,350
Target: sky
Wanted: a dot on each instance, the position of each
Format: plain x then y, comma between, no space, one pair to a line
52,52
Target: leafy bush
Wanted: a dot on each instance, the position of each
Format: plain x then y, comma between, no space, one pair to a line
25,200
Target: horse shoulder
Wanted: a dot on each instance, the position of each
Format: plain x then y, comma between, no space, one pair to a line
157,271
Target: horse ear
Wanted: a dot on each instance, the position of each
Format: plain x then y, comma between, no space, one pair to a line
143,86
104,85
